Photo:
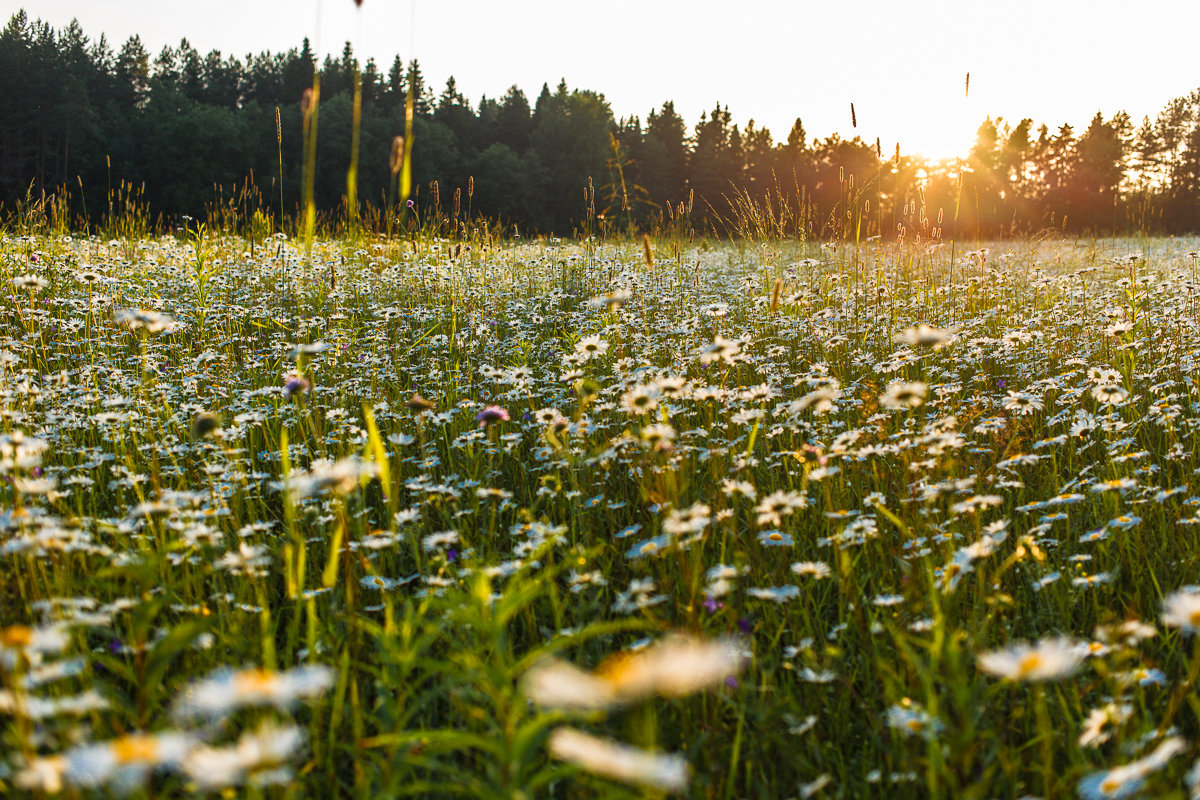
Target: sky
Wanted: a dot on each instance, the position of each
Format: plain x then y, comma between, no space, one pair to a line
902,64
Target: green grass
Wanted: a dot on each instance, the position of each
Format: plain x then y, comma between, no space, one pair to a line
184,514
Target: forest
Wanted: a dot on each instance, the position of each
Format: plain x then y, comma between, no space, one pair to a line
183,133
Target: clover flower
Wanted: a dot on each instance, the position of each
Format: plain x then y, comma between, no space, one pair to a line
490,415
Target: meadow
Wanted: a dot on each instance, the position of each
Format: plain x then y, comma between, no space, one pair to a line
459,515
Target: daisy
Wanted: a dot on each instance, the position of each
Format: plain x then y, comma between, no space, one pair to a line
911,719
1128,779
259,758
820,401
340,477
671,386
226,690
658,436
1022,403
1047,660
613,299
141,319
901,395
813,569
1116,484
620,762
774,507
775,594
125,762
1101,723
30,283
29,643
775,539
672,667
1182,610
926,336
640,400
44,775
591,347
1109,394
439,541
721,350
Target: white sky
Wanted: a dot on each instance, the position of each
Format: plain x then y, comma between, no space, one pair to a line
902,64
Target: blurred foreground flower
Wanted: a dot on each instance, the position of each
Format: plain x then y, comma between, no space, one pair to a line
673,667
418,403
29,643
293,384
1182,610
491,414
620,762
141,319
30,283
227,690
901,395
125,762
1128,779
259,758
340,476
612,299
1048,660
926,336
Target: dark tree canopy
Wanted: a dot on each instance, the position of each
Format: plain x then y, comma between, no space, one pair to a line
192,130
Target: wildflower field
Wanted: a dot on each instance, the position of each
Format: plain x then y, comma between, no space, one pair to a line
501,519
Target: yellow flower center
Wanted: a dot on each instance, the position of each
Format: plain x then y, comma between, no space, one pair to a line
16,636
1029,663
254,681
135,750
616,668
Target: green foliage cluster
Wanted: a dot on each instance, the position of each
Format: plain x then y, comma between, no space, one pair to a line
195,135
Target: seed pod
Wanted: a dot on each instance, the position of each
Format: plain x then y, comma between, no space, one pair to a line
396,158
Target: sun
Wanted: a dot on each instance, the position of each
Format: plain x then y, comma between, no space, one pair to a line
942,128
941,136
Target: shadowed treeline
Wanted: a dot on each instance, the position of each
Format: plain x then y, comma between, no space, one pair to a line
182,133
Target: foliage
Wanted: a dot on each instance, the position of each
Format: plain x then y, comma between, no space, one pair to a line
193,131
354,519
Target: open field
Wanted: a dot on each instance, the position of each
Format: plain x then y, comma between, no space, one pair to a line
403,518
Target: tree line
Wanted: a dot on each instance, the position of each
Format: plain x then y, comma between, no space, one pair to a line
186,133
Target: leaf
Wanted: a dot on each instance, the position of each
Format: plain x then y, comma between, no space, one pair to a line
115,666
439,741
378,454
532,734
584,634
166,649
329,575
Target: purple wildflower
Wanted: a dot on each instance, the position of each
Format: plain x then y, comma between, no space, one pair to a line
294,384
491,414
